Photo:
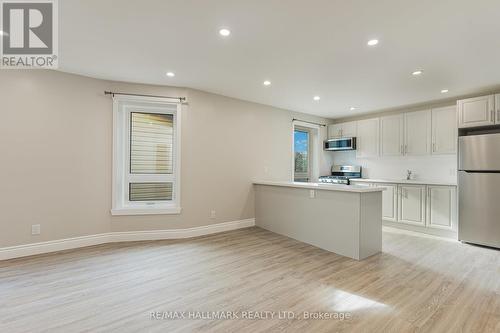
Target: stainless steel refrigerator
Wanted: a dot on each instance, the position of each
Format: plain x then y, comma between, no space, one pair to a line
479,189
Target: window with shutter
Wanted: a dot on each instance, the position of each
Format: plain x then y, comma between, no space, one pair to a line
146,149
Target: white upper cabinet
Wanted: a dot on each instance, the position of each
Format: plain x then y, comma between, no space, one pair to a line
477,111
444,130
334,131
342,130
367,138
350,129
391,135
417,133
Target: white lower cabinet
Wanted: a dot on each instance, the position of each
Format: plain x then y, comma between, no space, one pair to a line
425,206
411,204
390,202
441,207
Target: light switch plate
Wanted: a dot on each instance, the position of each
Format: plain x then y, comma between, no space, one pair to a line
312,194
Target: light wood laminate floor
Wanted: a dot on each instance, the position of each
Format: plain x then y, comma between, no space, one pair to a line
418,284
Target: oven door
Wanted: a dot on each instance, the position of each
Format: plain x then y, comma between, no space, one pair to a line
340,144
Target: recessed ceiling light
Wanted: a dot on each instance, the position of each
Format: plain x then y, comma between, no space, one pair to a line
352,108
170,74
444,91
267,83
417,72
224,32
372,42
316,98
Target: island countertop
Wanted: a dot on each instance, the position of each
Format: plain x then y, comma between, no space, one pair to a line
344,219
321,186
404,181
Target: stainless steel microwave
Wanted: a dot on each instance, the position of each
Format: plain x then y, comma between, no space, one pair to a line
340,144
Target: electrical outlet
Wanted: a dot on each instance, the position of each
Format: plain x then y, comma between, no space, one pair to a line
213,214
312,194
35,229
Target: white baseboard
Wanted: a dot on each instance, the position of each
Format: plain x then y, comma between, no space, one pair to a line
129,236
113,237
444,233
416,234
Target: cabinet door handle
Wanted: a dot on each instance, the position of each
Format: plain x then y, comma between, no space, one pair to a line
406,149
401,150
492,115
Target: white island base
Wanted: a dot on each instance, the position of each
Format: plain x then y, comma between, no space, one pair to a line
346,220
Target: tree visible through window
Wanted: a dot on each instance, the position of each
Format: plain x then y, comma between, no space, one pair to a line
301,155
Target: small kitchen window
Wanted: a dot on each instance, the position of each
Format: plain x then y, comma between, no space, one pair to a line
146,162
302,154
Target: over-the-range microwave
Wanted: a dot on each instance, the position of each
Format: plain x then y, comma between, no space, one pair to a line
340,144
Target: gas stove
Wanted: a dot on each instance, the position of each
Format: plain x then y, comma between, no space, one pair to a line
341,174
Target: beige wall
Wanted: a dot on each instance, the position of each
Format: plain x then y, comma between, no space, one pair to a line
56,156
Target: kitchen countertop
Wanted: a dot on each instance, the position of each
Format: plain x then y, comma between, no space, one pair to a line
404,181
320,186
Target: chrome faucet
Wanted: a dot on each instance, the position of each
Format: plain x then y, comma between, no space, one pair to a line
408,174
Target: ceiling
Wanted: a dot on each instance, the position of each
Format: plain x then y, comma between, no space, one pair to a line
305,48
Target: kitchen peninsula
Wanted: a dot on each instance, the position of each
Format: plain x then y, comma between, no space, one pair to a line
345,219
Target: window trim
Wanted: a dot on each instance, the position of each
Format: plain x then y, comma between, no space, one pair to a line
314,148
307,174
121,157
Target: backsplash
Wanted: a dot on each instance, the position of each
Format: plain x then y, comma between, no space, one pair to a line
435,168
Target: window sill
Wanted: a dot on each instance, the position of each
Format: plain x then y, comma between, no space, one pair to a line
145,211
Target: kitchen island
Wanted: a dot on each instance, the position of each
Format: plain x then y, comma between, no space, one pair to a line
345,219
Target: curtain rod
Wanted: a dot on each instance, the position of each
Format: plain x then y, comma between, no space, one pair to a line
181,99
309,122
